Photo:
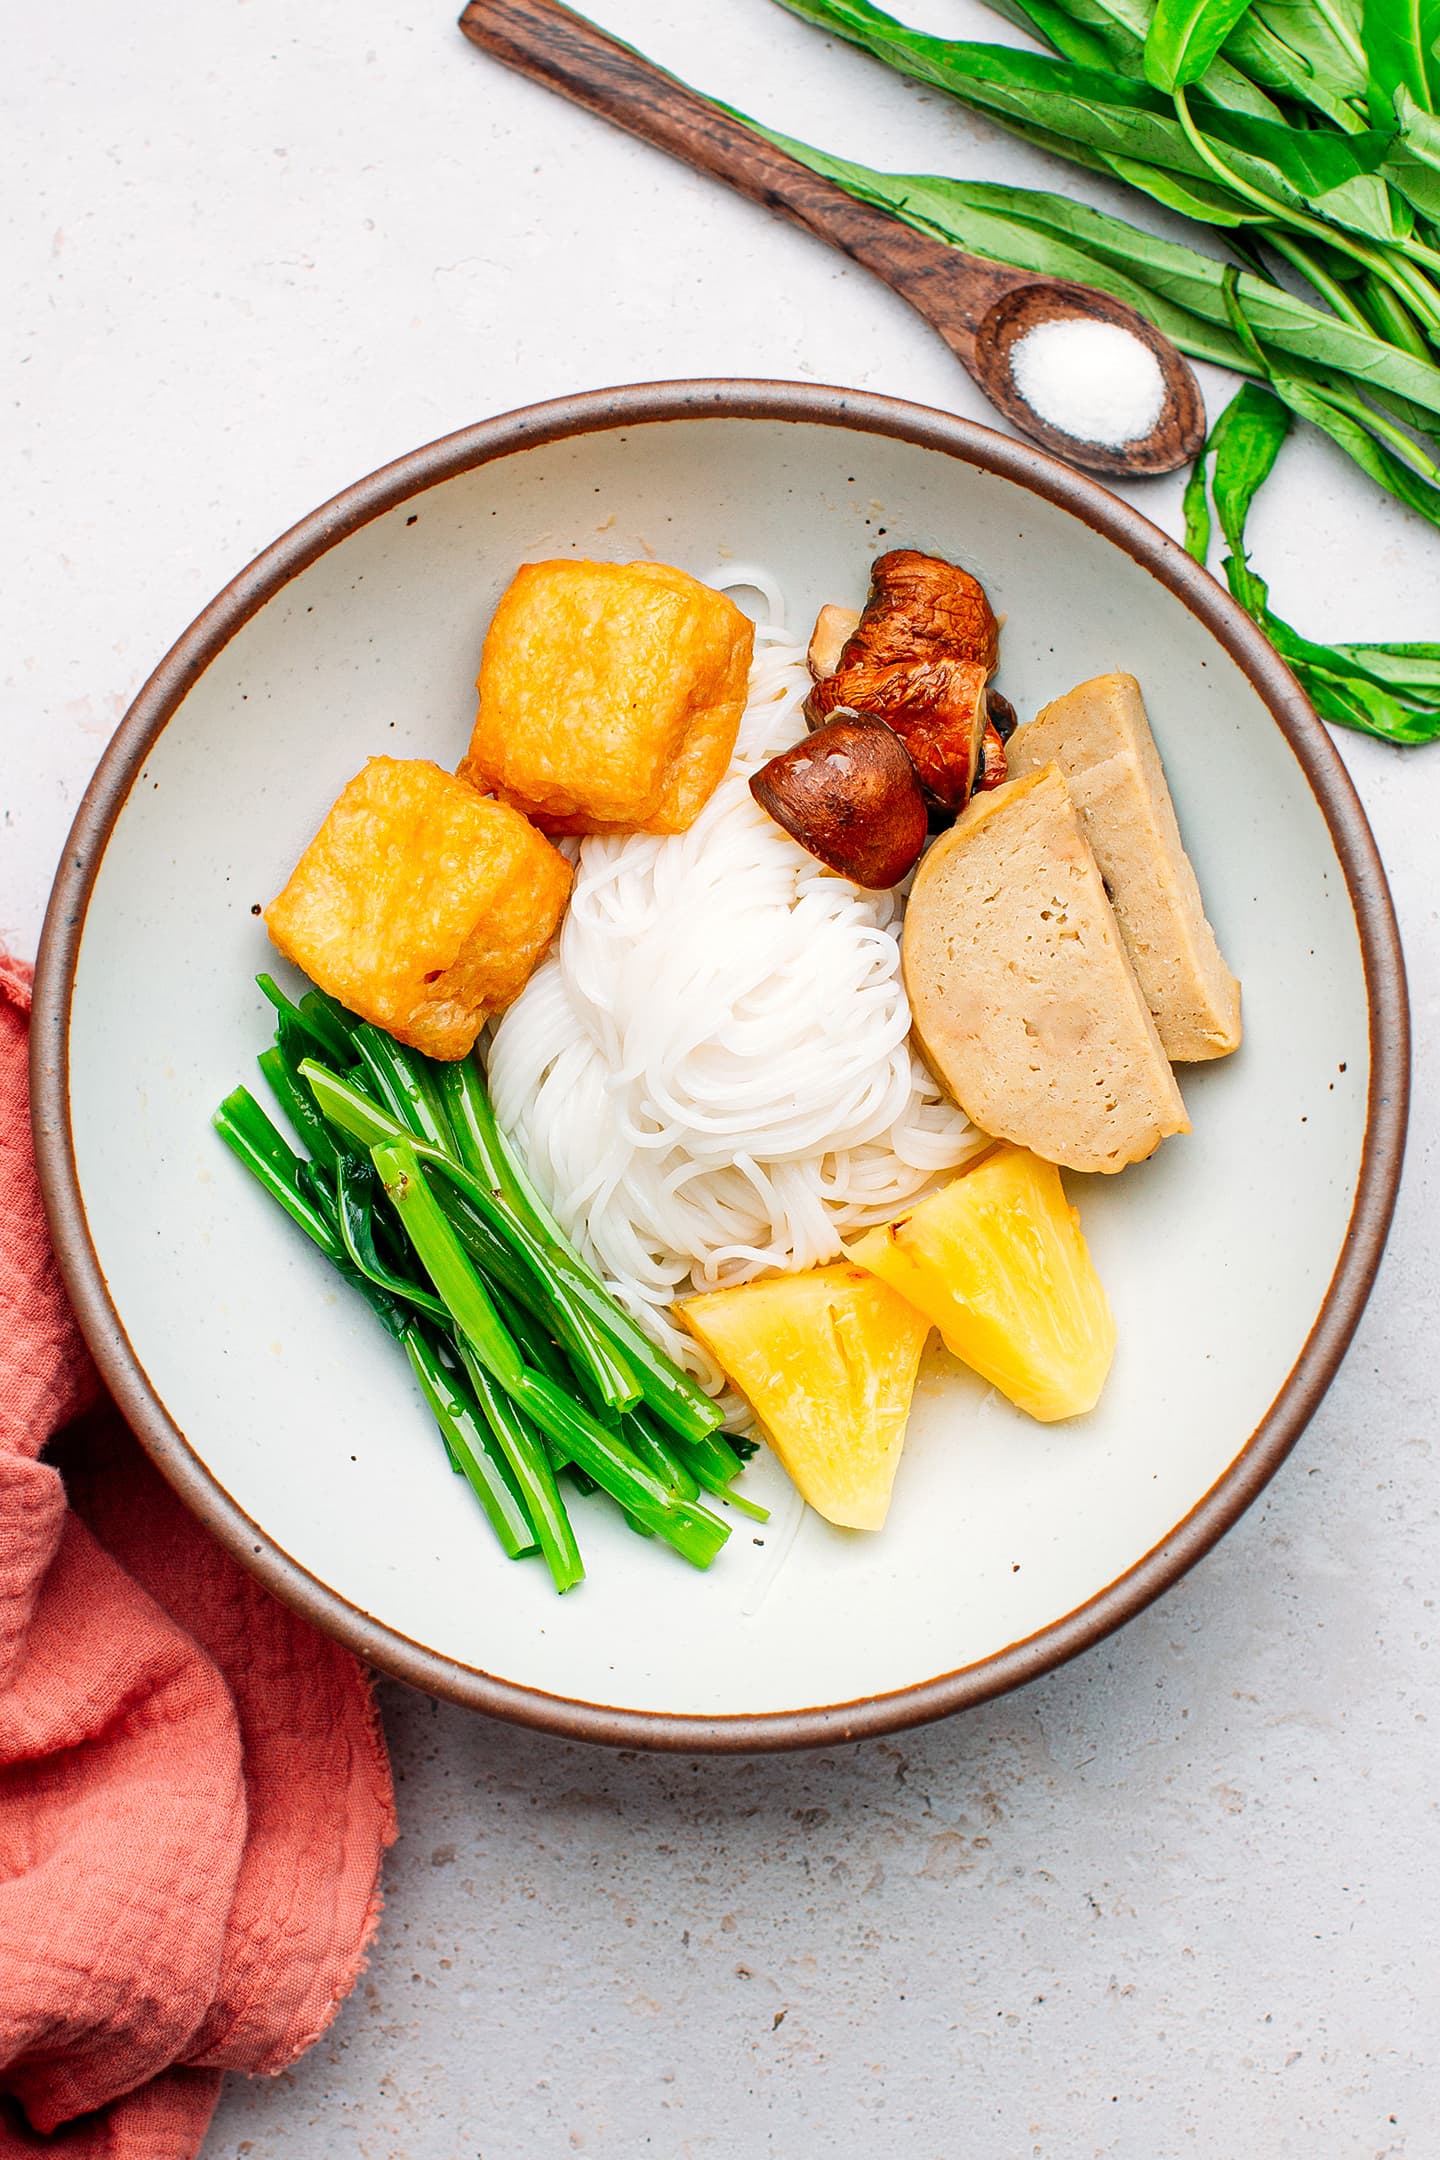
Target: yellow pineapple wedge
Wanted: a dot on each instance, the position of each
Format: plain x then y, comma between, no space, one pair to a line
997,1260
827,1360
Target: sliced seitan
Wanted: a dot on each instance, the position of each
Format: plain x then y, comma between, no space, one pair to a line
1021,992
1100,738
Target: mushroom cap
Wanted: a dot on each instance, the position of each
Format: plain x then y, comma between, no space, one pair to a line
919,658
850,794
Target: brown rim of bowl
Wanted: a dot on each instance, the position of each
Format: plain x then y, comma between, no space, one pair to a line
638,405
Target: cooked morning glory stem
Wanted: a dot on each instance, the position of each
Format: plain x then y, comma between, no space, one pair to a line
671,1394
317,1025
248,1133
482,1142
530,1466
472,1445
299,1106
471,1126
692,1531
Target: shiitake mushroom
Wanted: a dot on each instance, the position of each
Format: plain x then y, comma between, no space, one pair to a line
919,658
1000,713
994,765
850,794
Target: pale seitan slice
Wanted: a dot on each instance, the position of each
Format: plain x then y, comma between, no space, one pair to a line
1100,738
1021,992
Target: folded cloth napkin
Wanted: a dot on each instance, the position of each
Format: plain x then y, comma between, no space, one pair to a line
194,1794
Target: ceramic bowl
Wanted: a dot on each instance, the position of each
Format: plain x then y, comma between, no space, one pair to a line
1238,1259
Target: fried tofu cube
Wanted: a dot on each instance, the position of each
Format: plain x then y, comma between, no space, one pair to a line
421,904
610,696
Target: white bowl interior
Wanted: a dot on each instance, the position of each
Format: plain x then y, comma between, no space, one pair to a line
1216,1254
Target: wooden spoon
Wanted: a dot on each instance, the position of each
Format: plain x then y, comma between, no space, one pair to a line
979,308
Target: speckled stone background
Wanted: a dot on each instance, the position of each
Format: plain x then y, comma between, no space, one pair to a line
1179,1899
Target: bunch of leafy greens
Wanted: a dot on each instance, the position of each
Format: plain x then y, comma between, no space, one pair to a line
1306,130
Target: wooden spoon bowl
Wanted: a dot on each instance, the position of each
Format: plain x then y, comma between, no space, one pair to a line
1176,436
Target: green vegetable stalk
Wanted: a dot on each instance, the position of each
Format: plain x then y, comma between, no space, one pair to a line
528,1366
469,1441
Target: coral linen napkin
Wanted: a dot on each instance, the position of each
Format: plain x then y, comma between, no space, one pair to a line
194,1795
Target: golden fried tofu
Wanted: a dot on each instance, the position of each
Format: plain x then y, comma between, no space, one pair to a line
610,696
421,904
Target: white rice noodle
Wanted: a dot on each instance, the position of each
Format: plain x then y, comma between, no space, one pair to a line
711,1076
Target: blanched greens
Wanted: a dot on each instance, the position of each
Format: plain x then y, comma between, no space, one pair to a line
529,1367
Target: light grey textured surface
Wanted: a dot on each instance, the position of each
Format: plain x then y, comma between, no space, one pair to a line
1181,1898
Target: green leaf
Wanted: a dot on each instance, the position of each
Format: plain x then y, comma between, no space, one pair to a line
1396,477
1181,192
1338,411
1185,37
1119,27
1226,86
1325,80
1335,176
1111,34
1240,323
1391,318
1338,691
1413,164
1412,669
1188,197
1245,442
1354,662
1032,85
1056,28
1196,506
1351,702
1399,38
1122,27
1074,153
1097,111
1315,51
1316,161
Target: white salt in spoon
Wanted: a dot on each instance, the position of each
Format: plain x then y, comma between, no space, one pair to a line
1089,378
1075,369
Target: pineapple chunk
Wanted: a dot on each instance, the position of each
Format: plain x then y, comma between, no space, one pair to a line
997,1260
828,1361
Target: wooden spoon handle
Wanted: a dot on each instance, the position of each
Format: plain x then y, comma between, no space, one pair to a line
547,42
